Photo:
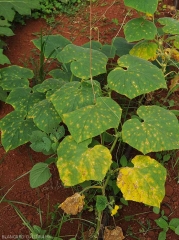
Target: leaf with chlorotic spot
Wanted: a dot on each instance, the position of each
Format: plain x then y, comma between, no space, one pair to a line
75,95
135,76
74,204
138,29
92,120
158,132
15,76
45,116
15,129
171,25
78,163
145,182
142,5
145,49
84,61
22,98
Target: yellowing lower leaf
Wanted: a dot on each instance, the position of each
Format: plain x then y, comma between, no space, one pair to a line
145,49
144,182
74,204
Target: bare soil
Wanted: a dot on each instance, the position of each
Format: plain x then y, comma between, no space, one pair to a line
36,204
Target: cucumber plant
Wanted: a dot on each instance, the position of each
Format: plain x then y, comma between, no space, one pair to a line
71,113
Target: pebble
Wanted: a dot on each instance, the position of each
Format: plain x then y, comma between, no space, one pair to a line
169,190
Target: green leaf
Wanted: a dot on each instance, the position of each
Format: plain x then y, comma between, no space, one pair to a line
135,76
108,50
39,174
3,58
174,222
162,223
75,95
171,25
138,29
53,44
145,49
40,142
23,7
177,230
101,202
162,235
123,161
82,60
90,121
14,76
48,85
142,5
6,31
156,210
158,132
3,95
45,116
78,163
144,182
122,46
22,99
15,129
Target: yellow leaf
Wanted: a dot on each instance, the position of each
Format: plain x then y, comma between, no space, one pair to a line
73,205
144,182
174,83
145,49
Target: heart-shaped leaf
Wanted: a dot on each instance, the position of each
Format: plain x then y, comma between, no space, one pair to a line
75,95
144,182
92,120
78,163
171,25
84,61
135,76
142,5
15,129
53,44
45,116
158,132
138,29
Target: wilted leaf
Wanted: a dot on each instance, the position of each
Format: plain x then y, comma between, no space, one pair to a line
113,234
174,84
135,76
78,163
138,29
158,132
144,182
92,120
73,205
145,49
142,5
